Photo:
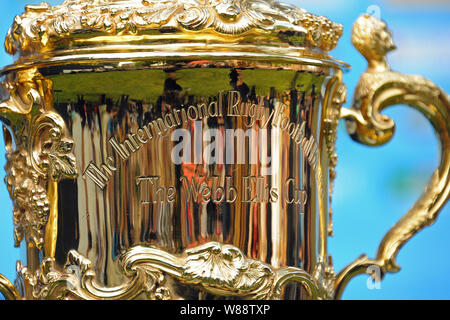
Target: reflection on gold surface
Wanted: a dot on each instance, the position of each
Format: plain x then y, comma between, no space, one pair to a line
251,178
184,150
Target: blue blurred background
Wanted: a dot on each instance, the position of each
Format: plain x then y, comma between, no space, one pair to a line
375,186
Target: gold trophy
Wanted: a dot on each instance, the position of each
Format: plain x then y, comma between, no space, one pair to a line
185,149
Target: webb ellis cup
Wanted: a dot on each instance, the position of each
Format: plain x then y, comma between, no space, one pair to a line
185,149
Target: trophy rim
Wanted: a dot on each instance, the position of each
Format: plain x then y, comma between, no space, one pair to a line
115,55
82,24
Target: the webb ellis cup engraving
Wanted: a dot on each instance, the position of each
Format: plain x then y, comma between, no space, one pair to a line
186,149
219,149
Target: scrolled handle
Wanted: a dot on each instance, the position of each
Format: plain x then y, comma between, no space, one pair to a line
378,88
8,290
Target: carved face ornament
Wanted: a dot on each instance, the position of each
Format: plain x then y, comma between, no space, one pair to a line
372,37
226,9
385,36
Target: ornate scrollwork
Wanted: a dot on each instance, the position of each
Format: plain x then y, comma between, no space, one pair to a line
51,154
216,268
336,98
224,270
45,153
41,24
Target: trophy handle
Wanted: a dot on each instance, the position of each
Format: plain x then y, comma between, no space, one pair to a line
378,88
8,290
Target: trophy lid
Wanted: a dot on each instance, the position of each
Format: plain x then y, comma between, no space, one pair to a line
87,30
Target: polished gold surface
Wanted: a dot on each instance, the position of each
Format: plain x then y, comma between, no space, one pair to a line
79,31
209,270
187,150
43,27
114,184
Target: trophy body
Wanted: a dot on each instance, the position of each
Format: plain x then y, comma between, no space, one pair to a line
178,150
196,162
